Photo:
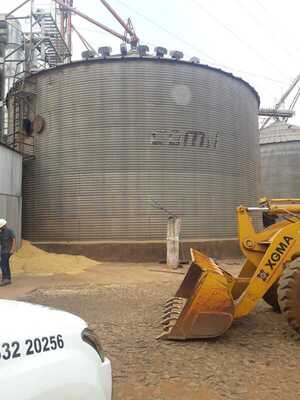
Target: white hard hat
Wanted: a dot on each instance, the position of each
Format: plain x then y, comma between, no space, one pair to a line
2,222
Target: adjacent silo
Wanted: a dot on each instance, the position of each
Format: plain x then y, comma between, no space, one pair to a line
11,189
280,160
124,134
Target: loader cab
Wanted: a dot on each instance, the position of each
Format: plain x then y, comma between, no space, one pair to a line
268,219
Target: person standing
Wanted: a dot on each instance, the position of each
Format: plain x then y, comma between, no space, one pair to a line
8,247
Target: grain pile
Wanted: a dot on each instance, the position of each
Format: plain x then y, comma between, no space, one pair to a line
33,261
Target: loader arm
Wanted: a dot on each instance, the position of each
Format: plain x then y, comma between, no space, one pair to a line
210,298
284,244
254,246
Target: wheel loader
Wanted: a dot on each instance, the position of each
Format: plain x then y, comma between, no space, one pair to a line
210,298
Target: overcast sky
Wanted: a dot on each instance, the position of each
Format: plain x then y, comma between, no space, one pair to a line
254,39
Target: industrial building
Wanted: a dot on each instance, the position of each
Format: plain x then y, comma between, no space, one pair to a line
11,189
280,149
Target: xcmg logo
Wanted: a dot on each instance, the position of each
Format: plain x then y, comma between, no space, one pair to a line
176,137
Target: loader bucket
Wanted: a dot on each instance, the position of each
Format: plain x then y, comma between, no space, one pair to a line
202,307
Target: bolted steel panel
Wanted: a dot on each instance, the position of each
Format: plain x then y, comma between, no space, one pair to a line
11,189
122,133
280,160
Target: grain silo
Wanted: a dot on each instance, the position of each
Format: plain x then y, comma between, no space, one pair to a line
122,134
280,156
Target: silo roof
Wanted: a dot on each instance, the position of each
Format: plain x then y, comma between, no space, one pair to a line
118,58
279,132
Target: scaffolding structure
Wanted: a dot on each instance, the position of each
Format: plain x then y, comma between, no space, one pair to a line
293,93
40,38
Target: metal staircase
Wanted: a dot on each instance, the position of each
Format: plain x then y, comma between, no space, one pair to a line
54,47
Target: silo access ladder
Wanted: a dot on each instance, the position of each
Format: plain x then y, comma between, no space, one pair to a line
21,137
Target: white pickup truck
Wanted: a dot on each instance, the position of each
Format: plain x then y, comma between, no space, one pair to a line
47,354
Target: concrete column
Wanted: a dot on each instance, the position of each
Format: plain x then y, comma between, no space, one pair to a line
173,248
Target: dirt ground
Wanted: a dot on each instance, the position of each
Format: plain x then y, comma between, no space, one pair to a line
258,358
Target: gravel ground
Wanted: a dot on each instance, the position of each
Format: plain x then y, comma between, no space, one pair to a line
258,357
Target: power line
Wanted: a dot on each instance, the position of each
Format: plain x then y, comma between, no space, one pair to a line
268,12
151,21
261,5
237,37
263,27
99,32
200,52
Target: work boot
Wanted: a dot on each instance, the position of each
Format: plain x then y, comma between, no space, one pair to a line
5,282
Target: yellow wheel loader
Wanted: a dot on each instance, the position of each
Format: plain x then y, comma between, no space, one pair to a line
210,298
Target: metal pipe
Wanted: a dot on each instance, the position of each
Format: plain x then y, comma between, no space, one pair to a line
83,40
118,18
17,8
30,39
69,30
257,209
16,28
93,21
16,61
295,99
282,99
271,112
12,18
13,52
62,26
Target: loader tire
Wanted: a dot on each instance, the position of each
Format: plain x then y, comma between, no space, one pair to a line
289,294
271,297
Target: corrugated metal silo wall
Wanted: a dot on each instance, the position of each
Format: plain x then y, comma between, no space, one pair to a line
122,132
11,189
280,169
